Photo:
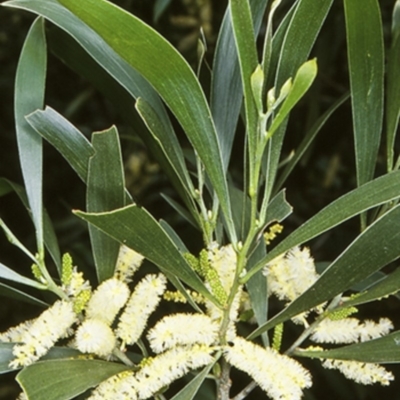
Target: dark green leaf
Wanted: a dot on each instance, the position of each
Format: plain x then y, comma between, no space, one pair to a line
294,43
246,49
153,57
393,88
308,139
190,390
384,350
226,88
137,229
105,192
13,293
385,287
374,193
29,96
65,379
374,248
366,68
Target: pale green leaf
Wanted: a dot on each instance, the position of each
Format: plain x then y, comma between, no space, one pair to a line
9,274
29,96
304,78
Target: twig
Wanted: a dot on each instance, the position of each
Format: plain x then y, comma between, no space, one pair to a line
246,391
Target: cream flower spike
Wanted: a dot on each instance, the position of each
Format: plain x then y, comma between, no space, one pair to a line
169,366
364,373
106,301
280,376
141,304
292,274
43,333
350,330
182,329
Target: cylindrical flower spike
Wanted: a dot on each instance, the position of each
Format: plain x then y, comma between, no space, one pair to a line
182,329
280,376
167,367
141,304
350,330
43,333
364,373
107,300
120,386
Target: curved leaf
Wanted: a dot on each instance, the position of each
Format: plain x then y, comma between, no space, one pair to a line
137,229
65,379
29,96
366,68
376,247
67,139
153,57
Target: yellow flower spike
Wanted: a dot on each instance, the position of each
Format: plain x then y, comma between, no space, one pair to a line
336,315
37,274
67,269
277,338
273,231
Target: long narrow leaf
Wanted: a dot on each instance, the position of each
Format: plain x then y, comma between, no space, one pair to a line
13,293
393,88
137,229
226,88
374,193
9,274
29,96
105,192
384,350
366,68
387,286
246,48
376,247
309,138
